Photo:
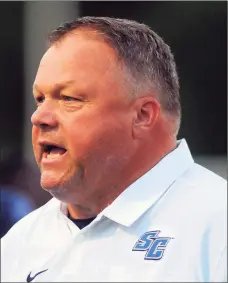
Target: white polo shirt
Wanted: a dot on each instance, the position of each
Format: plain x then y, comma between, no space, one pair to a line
169,225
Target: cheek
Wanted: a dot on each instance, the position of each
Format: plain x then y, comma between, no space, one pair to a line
82,140
97,137
35,131
35,134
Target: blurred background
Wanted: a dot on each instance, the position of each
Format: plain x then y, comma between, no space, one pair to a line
197,34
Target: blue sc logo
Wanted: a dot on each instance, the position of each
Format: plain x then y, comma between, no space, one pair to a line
152,244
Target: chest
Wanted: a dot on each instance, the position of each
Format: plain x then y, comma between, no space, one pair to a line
114,255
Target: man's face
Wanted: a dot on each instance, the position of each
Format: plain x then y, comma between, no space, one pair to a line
82,132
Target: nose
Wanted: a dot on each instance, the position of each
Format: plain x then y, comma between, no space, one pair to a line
45,116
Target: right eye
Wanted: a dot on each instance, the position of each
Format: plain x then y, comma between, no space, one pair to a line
39,99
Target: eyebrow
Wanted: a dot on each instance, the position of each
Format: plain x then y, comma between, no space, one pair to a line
55,88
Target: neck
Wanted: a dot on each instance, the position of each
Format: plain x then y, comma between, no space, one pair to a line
142,162
80,212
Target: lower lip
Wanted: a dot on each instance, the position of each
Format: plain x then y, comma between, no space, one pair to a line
55,160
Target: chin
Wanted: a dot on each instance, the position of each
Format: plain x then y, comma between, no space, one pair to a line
58,190
59,186
51,180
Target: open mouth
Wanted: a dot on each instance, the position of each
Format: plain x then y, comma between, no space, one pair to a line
53,151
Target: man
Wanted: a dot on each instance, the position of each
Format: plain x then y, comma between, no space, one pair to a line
129,202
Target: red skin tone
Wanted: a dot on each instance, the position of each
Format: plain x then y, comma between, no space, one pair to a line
85,107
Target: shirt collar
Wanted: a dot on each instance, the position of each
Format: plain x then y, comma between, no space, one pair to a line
149,188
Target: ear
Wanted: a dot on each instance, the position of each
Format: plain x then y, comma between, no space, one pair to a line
147,110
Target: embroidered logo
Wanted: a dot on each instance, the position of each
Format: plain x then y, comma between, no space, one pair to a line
29,278
152,244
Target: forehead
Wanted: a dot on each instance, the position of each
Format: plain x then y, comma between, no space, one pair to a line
79,58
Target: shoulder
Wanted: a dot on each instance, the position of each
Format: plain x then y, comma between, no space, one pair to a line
204,184
196,201
28,237
193,211
199,201
204,174
202,195
24,225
